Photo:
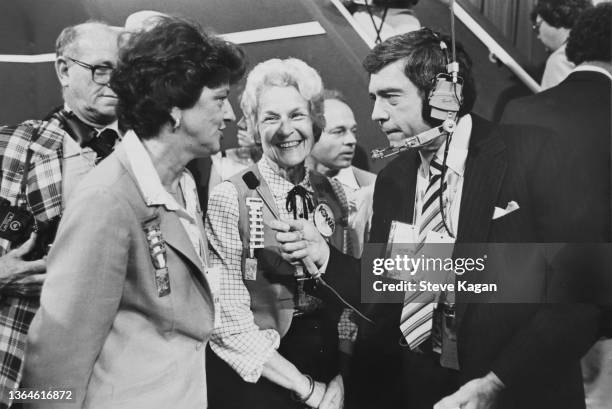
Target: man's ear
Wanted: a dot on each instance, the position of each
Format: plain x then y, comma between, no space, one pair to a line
61,69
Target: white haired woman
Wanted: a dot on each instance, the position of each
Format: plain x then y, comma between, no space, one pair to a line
275,345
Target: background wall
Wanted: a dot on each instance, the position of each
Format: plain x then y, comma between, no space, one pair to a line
30,27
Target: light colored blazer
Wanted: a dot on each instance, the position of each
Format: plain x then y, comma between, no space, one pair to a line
102,329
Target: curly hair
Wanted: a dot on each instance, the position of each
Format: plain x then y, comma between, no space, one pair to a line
589,40
290,72
424,60
559,13
167,66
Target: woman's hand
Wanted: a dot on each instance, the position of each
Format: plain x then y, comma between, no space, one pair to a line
300,240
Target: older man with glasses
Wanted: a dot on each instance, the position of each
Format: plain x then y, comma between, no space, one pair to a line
42,162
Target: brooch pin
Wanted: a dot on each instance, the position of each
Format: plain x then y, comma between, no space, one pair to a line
157,249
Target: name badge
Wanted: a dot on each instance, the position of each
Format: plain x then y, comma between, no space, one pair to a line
250,269
324,220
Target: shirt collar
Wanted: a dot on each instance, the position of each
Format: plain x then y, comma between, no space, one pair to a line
146,176
346,176
114,125
457,151
593,68
278,185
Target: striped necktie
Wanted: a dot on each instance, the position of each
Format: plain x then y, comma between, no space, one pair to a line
417,314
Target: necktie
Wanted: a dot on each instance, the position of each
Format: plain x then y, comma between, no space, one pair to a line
417,313
104,143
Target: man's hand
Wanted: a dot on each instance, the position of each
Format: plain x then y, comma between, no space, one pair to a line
15,270
480,393
334,395
300,240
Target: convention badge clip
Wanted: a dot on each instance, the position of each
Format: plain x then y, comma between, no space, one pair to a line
324,220
157,249
256,236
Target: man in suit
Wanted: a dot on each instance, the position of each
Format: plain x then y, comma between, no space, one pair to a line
578,111
500,186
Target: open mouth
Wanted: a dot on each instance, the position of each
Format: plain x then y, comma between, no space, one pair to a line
288,145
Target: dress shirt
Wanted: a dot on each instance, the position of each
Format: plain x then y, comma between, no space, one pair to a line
455,162
76,162
237,339
558,67
360,208
155,194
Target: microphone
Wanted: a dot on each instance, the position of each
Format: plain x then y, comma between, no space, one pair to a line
416,141
251,180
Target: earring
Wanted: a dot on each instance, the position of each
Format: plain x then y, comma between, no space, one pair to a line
177,123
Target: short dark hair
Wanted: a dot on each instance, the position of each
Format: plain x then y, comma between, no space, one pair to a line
559,13
589,40
167,66
424,60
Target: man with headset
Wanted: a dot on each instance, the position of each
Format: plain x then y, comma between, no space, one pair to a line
489,185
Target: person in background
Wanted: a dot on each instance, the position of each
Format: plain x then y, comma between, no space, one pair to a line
128,304
578,110
552,21
332,156
227,163
381,19
57,153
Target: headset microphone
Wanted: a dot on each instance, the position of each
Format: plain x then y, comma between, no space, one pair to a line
444,102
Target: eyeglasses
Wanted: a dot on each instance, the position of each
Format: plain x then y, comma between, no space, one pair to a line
100,74
536,26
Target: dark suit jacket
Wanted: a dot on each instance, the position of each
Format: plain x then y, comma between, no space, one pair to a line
533,348
578,111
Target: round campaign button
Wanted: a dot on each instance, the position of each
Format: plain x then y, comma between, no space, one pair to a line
324,220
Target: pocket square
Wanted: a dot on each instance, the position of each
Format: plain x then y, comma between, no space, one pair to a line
510,207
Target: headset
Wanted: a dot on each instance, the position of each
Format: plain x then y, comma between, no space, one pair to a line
443,104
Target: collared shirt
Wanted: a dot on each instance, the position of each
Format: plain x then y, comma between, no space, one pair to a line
155,194
592,68
455,162
77,160
558,67
360,208
237,339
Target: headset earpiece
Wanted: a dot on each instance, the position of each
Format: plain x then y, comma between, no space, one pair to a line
446,95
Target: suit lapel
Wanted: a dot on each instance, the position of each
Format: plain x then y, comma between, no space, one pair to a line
484,172
176,237
172,229
406,195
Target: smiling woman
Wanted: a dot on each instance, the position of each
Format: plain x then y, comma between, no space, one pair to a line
275,325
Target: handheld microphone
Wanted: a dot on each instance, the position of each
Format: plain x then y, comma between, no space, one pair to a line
251,180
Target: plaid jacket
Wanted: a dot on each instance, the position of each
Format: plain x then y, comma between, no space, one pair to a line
18,303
